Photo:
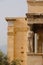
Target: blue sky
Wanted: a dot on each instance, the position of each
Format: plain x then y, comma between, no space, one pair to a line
9,8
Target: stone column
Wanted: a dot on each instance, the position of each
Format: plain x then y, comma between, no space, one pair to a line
36,40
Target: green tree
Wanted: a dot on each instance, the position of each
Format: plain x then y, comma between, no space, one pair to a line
3,59
15,62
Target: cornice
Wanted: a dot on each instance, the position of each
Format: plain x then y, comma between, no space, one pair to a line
35,2
14,18
34,15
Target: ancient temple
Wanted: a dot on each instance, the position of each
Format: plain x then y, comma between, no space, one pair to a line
25,35
35,22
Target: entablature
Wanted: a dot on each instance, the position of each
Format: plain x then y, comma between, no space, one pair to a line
34,18
34,15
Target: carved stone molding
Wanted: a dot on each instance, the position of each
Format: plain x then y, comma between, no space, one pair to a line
20,29
10,33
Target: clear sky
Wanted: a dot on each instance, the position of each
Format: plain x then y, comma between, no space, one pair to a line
9,8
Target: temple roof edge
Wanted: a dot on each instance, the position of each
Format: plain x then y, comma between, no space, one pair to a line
13,18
